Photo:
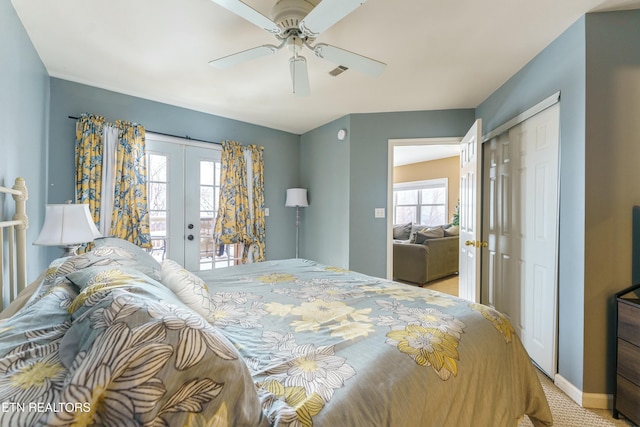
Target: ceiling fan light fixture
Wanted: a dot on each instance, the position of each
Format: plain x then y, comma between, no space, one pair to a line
294,44
287,14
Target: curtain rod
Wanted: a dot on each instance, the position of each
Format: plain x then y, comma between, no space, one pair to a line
187,137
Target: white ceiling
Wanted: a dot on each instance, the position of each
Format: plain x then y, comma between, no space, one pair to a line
439,54
408,154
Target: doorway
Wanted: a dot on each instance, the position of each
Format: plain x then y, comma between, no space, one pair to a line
424,175
184,188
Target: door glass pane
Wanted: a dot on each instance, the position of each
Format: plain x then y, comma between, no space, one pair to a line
157,167
206,198
157,195
157,201
207,173
207,206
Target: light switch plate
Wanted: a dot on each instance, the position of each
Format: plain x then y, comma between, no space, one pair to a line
378,213
266,211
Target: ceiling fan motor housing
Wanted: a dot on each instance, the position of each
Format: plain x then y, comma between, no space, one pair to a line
287,14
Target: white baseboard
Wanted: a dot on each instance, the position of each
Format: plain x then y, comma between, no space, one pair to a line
586,400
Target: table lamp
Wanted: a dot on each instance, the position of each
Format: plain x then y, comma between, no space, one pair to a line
68,226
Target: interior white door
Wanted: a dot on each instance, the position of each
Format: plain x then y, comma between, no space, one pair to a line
470,214
184,186
541,136
521,227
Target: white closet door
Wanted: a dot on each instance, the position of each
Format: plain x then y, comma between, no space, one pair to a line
520,224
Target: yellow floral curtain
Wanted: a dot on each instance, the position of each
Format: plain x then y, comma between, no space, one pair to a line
240,218
257,226
130,217
89,129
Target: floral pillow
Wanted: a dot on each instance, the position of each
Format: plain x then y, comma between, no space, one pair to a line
191,289
139,258
97,281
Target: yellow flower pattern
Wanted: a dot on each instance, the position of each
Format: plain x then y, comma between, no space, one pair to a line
498,320
428,347
276,277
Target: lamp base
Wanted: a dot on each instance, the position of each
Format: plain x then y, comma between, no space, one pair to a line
69,250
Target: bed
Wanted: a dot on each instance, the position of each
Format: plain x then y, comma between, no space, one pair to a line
112,337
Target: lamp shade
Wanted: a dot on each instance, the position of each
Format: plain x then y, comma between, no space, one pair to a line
296,197
67,224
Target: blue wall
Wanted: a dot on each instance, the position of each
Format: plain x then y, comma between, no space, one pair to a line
281,152
350,180
324,170
370,134
24,115
560,67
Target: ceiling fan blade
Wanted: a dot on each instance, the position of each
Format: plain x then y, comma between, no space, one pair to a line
326,14
244,56
299,75
349,59
245,11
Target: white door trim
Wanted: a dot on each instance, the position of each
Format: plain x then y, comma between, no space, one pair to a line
399,142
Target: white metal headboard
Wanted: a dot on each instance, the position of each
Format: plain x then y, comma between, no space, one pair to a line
15,233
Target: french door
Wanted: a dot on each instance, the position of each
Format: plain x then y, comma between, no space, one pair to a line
184,185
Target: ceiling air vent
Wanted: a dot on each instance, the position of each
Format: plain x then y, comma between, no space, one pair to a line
338,70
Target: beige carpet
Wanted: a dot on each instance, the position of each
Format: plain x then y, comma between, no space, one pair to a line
447,285
567,413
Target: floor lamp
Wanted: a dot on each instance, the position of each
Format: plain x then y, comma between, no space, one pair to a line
297,198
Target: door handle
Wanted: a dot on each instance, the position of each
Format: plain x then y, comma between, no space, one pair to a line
470,243
190,237
190,226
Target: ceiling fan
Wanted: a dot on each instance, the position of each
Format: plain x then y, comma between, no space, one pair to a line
296,24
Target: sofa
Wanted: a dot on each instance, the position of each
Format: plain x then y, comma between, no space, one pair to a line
429,253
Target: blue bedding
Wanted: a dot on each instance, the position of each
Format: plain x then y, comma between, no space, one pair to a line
110,338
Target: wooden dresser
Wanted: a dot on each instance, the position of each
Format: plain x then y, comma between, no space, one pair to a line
627,397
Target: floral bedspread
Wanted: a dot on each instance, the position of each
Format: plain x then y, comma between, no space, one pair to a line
329,347
105,340
109,346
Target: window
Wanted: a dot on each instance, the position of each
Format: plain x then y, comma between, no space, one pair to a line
421,202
